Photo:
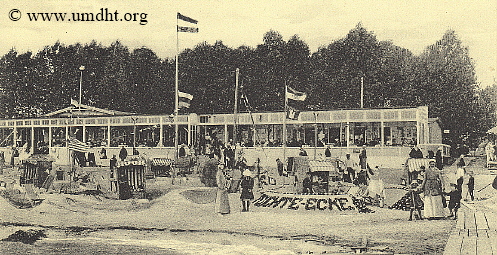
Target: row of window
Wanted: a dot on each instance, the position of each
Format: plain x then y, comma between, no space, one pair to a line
333,134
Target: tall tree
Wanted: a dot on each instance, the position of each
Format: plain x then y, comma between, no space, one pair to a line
114,83
207,73
340,66
274,64
446,82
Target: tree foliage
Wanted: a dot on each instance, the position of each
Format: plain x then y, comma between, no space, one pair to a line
445,80
137,80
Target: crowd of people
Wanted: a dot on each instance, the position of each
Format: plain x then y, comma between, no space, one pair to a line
428,189
227,181
356,172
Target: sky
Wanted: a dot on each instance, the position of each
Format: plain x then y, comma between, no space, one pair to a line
413,24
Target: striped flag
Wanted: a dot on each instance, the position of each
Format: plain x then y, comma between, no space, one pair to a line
77,145
187,29
292,111
184,99
295,95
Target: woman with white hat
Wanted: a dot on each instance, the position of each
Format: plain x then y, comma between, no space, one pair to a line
433,196
247,184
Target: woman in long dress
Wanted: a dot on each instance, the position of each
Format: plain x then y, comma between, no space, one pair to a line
222,200
432,189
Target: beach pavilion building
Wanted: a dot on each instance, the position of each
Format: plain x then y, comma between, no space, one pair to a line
388,133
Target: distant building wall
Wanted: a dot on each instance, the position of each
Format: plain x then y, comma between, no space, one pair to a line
435,131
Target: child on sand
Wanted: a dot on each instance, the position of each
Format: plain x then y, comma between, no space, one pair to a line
455,196
411,201
416,204
247,184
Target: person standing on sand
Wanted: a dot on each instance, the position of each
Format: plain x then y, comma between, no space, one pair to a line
247,185
432,189
363,158
416,203
280,166
350,165
455,200
490,151
307,184
222,199
471,186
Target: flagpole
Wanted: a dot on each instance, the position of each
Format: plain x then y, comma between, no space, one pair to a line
81,68
176,103
362,92
70,166
176,98
285,110
235,111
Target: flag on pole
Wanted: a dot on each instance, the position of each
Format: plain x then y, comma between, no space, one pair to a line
188,29
77,145
291,110
184,99
295,95
292,113
74,102
187,19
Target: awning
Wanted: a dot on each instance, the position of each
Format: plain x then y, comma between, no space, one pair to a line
161,162
318,165
414,164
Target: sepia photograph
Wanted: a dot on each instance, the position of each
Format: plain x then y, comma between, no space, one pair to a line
248,127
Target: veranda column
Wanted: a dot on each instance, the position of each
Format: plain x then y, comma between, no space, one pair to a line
347,133
161,133
15,134
189,131
32,139
418,135
50,137
108,132
226,138
382,132
67,136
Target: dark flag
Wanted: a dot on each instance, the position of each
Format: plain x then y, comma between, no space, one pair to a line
292,113
187,19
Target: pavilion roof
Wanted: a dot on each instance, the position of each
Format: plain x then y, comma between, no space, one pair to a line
81,110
